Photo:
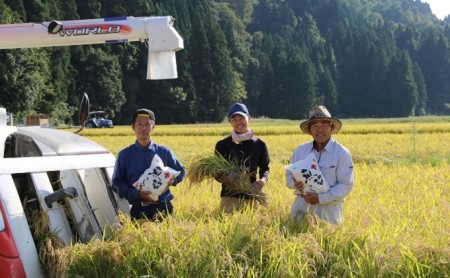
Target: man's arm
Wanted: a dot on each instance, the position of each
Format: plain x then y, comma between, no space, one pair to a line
264,169
345,181
226,178
264,162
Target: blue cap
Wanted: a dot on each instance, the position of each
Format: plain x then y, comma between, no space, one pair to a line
238,108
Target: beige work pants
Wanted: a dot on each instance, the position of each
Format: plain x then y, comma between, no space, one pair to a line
231,204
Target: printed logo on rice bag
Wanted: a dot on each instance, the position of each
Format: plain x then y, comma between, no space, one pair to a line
156,178
307,170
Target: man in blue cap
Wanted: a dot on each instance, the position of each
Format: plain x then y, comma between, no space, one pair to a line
251,153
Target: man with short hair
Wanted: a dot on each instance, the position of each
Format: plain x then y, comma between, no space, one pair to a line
251,153
132,162
335,163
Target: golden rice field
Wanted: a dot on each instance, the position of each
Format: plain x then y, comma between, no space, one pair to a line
397,218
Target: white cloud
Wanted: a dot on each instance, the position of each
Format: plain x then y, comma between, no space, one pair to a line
441,8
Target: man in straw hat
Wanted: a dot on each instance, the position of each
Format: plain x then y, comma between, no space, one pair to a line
335,163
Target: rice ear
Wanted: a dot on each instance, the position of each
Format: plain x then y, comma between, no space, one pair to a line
211,166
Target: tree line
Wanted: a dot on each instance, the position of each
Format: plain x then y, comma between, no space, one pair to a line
360,58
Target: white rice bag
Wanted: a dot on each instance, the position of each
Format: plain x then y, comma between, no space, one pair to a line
156,178
307,170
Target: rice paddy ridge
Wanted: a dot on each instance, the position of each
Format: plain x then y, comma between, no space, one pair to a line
263,127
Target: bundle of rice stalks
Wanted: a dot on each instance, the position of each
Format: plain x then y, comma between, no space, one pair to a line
49,245
212,166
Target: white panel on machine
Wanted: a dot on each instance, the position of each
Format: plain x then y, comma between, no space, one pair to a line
19,226
158,32
58,221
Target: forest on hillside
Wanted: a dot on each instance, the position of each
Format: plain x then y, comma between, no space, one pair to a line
360,58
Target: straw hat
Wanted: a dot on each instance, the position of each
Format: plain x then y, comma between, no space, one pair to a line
320,113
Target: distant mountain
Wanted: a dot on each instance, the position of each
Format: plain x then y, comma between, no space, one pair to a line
360,58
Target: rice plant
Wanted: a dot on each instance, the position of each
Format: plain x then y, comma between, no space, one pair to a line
209,167
395,220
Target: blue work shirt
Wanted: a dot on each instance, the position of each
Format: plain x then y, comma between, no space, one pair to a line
131,162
